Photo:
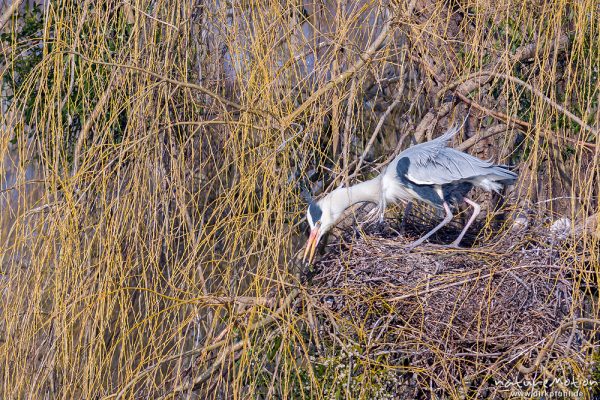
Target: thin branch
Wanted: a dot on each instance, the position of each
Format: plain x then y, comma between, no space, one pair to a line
387,112
527,370
452,284
491,131
18,185
224,354
361,62
188,85
151,16
549,135
377,129
91,120
526,85
9,12
347,128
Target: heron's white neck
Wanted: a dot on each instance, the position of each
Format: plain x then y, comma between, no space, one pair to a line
343,198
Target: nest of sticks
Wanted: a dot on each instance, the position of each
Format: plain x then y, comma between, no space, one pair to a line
452,322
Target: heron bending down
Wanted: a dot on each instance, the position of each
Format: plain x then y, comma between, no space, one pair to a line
431,172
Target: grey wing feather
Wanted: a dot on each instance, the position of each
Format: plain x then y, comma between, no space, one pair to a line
452,165
433,163
425,152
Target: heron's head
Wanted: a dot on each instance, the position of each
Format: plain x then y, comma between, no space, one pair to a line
322,215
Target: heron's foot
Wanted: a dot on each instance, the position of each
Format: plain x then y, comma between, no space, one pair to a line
453,245
410,247
372,216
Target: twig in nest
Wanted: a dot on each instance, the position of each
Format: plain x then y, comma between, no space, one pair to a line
527,370
457,283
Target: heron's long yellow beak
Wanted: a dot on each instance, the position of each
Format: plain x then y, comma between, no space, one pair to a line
311,245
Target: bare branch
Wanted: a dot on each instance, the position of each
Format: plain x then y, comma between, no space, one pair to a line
354,68
9,12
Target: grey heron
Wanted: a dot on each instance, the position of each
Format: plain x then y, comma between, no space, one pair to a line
430,172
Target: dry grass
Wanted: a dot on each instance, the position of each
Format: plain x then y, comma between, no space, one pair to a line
155,157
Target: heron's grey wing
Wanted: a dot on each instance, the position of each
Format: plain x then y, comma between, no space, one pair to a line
447,166
433,147
424,152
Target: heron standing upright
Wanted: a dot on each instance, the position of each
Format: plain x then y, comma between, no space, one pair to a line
430,172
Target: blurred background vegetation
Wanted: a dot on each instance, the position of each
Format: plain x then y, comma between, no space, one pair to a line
156,157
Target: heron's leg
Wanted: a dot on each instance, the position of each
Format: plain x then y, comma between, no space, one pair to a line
376,214
382,205
372,215
407,210
476,211
447,219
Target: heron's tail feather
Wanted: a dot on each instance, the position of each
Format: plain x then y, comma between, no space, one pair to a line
495,178
502,173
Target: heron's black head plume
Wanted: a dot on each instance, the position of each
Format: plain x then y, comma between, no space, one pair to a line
314,213
305,193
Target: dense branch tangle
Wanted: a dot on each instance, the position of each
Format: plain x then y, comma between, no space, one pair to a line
154,155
